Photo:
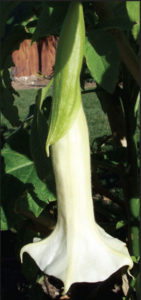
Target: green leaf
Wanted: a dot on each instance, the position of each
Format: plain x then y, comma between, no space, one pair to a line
120,224
31,26
119,22
21,167
11,43
50,20
6,8
11,189
130,11
39,134
17,106
3,223
102,57
133,9
135,259
8,107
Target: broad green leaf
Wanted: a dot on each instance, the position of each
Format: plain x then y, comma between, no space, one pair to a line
119,22
22,168
8,107
133,9
22,101
11,189
18,141
130,12
119,9
39,136
102,57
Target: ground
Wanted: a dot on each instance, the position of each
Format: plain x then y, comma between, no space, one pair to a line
36,81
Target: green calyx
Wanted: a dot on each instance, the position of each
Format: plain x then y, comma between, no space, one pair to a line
66,89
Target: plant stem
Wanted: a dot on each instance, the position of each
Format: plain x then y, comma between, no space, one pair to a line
131,179
127,54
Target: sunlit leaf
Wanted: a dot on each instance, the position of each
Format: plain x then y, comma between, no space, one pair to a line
133,9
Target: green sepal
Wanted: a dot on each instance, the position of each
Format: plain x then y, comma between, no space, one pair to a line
66,90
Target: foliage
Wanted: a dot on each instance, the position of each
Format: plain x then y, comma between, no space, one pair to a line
27,177
102,61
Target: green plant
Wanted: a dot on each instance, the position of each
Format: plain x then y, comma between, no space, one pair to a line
27,171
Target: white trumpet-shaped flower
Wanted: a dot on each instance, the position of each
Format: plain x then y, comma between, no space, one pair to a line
78,250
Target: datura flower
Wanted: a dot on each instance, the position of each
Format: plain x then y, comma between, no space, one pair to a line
78,250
